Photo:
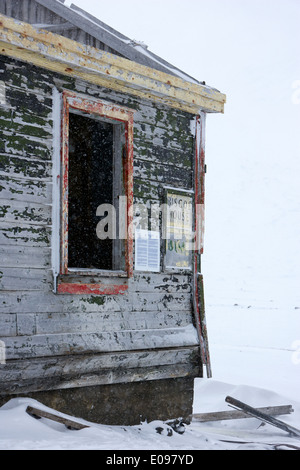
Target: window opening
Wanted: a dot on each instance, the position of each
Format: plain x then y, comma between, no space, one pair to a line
91,184
97,158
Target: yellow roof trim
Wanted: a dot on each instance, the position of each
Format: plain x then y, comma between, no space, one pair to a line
59,54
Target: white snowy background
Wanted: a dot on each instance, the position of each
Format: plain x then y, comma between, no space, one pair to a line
249,50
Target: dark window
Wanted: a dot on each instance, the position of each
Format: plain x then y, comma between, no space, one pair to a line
91,155
96,177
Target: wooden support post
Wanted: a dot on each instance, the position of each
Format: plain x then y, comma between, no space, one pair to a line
198,287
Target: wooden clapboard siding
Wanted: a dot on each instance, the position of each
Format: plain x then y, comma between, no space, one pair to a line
24,234
54,323
22,257
8,324
174,158
152,282
24,167
22,189
56,341
97,369
18,279
21,347
17,212
33,302
162,174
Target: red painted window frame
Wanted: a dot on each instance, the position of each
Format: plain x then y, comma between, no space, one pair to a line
72,100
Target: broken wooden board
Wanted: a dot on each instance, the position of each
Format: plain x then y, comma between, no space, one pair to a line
228,415
73,425
255,413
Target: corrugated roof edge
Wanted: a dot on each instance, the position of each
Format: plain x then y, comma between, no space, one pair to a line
167,67
114,39
40,47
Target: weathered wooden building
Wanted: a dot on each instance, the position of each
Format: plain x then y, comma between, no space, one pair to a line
101,311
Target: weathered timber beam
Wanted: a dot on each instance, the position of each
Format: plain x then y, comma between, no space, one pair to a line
255,413
70,424
235,414
56,53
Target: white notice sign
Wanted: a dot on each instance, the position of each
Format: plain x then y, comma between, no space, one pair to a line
147,251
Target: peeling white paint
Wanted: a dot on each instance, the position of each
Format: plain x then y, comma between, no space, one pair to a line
55,239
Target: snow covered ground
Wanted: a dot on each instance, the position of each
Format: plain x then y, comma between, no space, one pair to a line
255,359
18,431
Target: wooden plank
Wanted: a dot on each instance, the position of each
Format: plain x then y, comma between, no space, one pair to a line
31,167
19,144
162,282
48,302
177,139
72,365
26,212
255,413
103,35
8,324
25,279
16,256
70,424
34,102
98,369
147,113
144,302
20,234
235,414
100,342
26,324
100,377
154,190
198,287
17,127
71,288
26,190
162,174
162,154
133,302
22,41
27,115
56,323
106,35
154,115
162,117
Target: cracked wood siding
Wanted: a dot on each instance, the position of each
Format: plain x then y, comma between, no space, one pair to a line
89,370
146,334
